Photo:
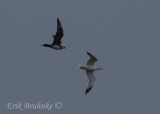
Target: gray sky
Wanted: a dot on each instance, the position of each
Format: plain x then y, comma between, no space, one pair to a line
123,34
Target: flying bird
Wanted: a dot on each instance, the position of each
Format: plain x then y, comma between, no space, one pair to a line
56,44
90,68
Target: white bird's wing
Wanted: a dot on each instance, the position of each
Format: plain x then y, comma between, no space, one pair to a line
92,59
91,80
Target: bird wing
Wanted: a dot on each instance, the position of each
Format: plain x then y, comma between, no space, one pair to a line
92,59
91,81
59,34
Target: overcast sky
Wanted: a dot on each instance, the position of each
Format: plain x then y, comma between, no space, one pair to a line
124,35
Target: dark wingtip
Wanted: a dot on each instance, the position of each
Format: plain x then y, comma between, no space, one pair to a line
92,56
87,90
88,53
58,20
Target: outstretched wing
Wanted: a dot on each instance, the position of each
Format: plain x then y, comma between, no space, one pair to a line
92,59
91,81
59,33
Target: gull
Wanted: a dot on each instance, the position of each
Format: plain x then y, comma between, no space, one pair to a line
57,38
90,68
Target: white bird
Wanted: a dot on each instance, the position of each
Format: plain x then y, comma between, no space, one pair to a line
90,68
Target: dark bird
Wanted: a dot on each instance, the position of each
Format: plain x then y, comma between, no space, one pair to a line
57,38
90,68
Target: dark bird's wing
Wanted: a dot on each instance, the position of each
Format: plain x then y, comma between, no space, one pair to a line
59,34
91,81
92,59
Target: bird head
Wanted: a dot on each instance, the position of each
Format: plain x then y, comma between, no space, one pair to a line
99,68
46,45
79,66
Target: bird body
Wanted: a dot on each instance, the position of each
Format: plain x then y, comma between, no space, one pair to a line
89,68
